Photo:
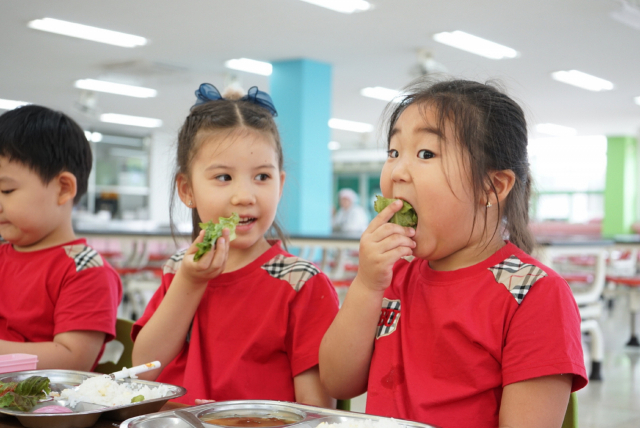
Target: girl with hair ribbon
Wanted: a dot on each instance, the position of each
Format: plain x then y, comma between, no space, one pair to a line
245,319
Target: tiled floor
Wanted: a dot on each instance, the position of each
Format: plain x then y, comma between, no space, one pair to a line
613,402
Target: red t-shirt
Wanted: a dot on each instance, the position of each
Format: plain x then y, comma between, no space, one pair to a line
449,342
55,290
254,330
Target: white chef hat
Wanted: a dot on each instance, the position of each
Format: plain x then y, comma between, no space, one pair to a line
349,194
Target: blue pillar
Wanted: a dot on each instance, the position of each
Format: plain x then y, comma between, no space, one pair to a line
301,91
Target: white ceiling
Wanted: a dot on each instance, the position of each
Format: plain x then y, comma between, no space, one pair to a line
191,39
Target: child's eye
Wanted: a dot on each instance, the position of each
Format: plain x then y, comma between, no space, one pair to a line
223,177
425,154
392,153
6,192
262,177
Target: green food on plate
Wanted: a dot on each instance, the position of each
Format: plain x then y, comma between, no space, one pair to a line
24,395
212,231
406,217
137,398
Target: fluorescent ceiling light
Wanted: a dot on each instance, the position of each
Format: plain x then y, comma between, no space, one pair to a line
380,93
87,32
96,137
348,125
344,6
582,80
250,66
555,130
334,145
122,119
637,100
115,88
11,104
479,46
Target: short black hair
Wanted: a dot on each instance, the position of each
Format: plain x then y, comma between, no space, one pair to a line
48,142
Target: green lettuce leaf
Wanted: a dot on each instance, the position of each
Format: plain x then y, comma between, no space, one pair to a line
212,231
406,217
24,395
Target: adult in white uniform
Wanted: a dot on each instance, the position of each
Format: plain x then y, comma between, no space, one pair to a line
351,218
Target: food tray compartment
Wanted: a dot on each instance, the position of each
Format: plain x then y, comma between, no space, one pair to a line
309,416
90,413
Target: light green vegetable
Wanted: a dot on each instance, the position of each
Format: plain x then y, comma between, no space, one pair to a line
25,394
406,217
212,231
137,398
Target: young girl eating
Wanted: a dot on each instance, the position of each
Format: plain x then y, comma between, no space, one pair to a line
244,320
473,331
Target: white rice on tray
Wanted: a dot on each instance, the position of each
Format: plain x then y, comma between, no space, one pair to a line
362,423
108,392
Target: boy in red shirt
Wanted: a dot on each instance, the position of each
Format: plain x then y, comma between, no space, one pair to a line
59,297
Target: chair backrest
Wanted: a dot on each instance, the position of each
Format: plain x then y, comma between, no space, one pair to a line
123,335
571,417
343,405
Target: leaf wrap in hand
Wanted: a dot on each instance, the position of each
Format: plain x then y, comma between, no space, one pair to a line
212,231
406,217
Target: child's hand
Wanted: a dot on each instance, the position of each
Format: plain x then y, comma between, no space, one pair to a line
381,245
210,265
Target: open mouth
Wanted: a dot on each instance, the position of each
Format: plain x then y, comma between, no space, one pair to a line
244,221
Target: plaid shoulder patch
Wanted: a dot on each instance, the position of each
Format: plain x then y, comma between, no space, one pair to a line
389,317
84,256
172,265
291,269
518,277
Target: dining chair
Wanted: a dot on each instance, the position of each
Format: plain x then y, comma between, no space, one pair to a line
571,417
123,335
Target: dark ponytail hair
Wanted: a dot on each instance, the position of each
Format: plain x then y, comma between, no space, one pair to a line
226,114
491,128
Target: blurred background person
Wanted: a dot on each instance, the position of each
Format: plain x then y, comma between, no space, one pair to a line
351,218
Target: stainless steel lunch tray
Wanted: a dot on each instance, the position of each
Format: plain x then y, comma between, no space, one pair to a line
89,414
309,416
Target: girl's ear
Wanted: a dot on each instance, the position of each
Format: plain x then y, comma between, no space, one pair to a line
501,183
184,191
67,187
283,175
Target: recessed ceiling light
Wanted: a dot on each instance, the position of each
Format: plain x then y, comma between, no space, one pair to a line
115,88
87,32
122,119
556,130
637,100
11,104
474,44
344,6
582,80
348,125
334,145
380,93
250,66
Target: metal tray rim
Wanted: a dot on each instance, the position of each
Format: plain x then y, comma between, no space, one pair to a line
312,412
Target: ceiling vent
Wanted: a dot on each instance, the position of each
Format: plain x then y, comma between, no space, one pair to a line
628,13
142,70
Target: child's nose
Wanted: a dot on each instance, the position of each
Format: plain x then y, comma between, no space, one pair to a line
243,196
400,172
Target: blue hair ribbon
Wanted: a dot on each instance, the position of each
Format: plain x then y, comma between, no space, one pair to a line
207,92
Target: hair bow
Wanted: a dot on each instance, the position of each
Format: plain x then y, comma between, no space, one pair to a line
207,92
